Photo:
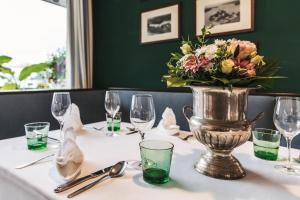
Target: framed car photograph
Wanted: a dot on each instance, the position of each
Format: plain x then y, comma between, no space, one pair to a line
226,16
160,24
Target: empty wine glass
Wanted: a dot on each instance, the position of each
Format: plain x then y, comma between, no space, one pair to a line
142,113
287,120
60,104
112,106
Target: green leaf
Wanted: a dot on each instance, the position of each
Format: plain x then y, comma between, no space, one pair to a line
174,81
9,86
236,51
6,70
225,81
27,71
4,59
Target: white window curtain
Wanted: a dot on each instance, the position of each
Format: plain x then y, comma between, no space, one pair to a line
80,44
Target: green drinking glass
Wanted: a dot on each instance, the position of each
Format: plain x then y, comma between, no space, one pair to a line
156,160
117,121
37,135
266,143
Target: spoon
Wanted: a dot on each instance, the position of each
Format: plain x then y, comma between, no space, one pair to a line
116,171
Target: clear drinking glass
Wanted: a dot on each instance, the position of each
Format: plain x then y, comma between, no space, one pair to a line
142,113
287,120
112,106
60,104
156,160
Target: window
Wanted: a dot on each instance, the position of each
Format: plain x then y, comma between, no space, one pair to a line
33,44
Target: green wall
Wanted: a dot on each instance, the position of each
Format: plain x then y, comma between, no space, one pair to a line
120,61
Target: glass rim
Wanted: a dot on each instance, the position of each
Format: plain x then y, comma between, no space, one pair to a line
61,92
266,131
288,98
160,149
111,91
142,95
37,124
116,113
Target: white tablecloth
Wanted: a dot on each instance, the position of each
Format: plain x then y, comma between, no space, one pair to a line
38,181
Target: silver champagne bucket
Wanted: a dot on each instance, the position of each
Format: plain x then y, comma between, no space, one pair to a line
219,122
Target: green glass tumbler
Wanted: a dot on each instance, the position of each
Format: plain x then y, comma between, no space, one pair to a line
266,143
117,121
156,160
37,135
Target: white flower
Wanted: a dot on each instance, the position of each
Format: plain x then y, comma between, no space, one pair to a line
200,51
210,52
220,42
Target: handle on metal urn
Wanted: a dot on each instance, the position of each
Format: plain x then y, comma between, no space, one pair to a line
258,117
187,110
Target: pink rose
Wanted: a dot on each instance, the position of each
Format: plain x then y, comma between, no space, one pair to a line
244,63
190,63
251,73
246,49
250,66
203,62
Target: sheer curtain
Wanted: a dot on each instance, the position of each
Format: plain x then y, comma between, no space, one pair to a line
80,43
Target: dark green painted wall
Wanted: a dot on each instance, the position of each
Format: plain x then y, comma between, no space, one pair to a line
120,61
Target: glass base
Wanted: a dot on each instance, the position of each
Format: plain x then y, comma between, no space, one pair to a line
110,134
134,164
37,143
155,176
292,170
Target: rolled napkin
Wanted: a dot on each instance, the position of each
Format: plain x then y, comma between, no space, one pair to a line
167,124
69,158
72,119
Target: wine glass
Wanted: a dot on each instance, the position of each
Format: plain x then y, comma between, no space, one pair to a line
60,104
287,120
112,106
142,113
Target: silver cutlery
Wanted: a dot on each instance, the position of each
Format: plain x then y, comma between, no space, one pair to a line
131,129
33,162
95,128
51,138
132,132
98,129
116,171
73,183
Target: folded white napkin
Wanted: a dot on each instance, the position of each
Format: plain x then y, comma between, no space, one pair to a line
69,158
72,119
167,124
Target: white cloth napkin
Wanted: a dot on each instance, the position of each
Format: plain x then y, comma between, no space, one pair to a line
72,119
167,124
69,158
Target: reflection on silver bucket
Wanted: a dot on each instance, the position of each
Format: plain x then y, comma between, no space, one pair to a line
219,122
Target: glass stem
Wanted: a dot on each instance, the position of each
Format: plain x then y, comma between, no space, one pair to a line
289,143
142,135
61,135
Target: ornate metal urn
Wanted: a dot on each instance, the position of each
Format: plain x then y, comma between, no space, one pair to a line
219,122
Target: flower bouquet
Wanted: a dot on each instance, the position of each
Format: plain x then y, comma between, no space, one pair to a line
226,63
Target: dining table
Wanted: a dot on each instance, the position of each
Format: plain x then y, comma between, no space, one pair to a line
37,182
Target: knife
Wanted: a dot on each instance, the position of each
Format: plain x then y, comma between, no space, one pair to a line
73,183
132,132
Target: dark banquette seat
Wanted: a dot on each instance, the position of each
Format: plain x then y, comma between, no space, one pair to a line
16,109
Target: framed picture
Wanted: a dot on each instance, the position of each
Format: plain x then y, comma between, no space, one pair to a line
226,16
160,24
